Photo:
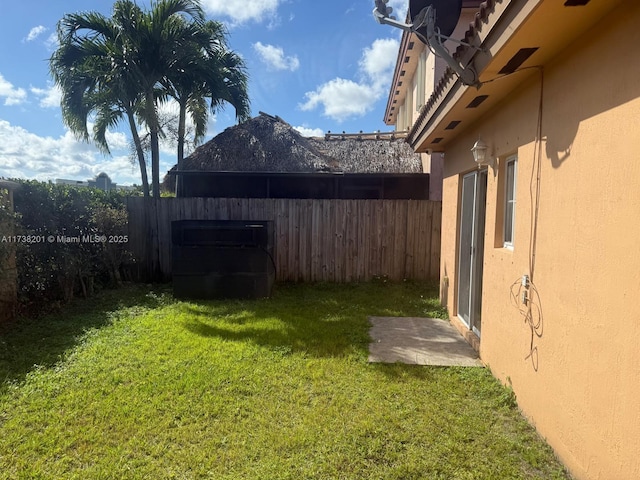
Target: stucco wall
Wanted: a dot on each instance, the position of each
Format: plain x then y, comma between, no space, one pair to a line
582,388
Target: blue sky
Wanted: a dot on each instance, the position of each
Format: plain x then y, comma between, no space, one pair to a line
319,65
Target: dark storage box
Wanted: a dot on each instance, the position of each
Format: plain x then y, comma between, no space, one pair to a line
222,259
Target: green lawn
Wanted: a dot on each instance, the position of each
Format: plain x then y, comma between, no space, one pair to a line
133,384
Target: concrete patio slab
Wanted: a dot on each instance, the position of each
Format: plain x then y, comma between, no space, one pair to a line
419,341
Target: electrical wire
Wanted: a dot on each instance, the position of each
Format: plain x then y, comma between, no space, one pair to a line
531,310
534,190
500,77
531,307
273,262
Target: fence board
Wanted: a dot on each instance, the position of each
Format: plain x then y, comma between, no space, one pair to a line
425,224
400,233
351,234
339,229
377,215
388,235
436,238
327,241
315,240
305,241
282,238
316,228
366,248
293,255
425,243
412,214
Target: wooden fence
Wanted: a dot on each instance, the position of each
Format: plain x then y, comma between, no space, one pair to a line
315,240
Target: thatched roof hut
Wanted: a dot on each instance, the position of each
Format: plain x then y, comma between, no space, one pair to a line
269,144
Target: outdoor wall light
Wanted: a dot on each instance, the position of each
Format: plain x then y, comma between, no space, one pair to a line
480,153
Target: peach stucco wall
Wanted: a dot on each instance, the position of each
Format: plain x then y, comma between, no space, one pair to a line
582,392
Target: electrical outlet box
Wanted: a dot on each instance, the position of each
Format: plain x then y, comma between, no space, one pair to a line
525,281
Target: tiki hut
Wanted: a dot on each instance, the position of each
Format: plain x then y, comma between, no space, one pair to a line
268,149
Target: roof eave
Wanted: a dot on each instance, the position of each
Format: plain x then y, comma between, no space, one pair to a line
449,88
407,38
502,29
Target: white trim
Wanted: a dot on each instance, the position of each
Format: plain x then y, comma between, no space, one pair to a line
421,81
513,160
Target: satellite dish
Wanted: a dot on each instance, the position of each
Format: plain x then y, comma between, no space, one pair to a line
433,22
447,15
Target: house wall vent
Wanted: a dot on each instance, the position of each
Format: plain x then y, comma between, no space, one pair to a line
518,59
477,101
576,3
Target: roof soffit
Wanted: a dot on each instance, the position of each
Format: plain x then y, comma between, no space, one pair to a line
502,31
411,47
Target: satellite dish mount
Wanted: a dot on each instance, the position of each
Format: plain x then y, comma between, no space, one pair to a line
431,29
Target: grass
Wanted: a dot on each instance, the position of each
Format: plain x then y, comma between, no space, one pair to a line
133,384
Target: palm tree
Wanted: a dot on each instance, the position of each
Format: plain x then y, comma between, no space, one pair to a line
114,67
85,68
207,70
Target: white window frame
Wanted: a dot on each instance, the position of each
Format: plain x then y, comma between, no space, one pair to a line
421,80
510,186
401,118
409,108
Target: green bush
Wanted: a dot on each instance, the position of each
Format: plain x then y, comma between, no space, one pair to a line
7,222
70,239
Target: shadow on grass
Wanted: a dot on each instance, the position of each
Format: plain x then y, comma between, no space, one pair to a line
28,343
313,328
316,319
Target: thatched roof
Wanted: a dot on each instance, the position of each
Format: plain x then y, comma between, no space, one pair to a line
368,155
269,144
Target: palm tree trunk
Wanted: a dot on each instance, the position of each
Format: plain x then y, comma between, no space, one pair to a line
152,122
140,153
182,125
154,128
182,121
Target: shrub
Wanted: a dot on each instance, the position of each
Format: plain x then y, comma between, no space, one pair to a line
8,293
67,226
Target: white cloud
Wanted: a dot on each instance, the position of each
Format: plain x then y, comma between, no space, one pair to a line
117,141
399,9
211,128
310,132
378,61
35,32
243,11
49,97
275,58
12,95
26,155
342,99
